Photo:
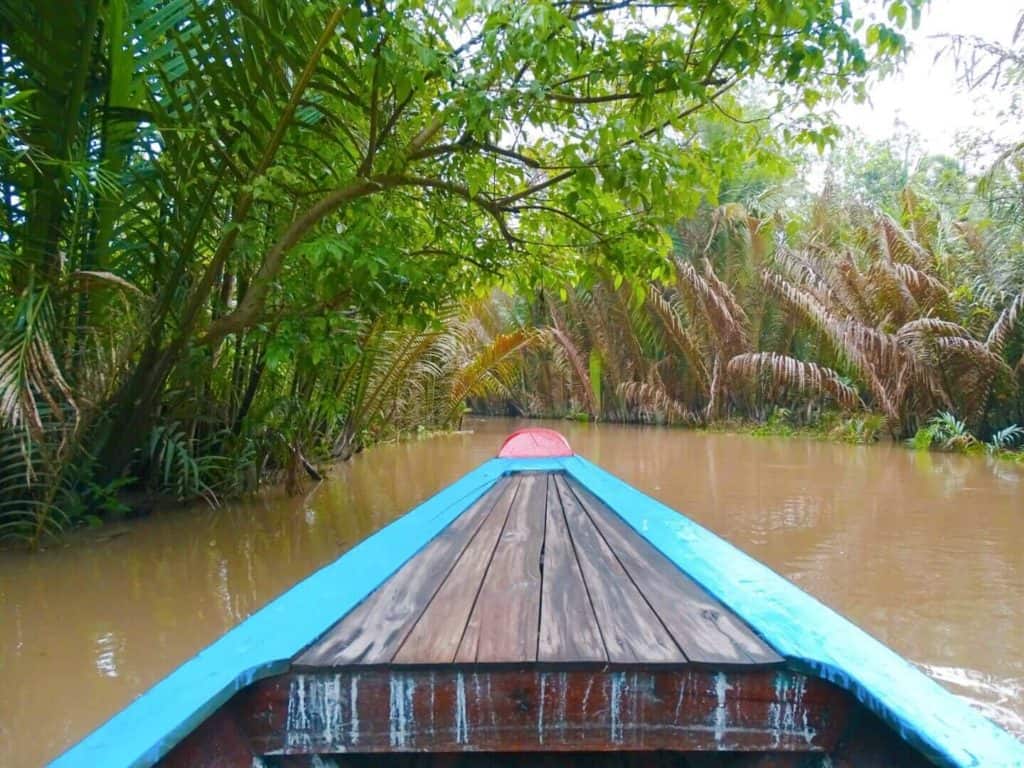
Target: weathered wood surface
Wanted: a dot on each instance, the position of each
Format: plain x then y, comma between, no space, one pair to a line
374,631
507,610
568,627
705,630
501,709
538,569
472,717
433,639
632,632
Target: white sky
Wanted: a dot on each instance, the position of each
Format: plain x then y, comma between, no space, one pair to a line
925,97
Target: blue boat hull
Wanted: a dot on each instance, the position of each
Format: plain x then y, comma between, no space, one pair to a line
811,637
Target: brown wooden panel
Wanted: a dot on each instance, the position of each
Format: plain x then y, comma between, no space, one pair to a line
514,760
568,626
503,709
219,742
632,632
436,636
374,630
504,623
706,630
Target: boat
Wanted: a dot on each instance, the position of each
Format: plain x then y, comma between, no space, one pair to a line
539,611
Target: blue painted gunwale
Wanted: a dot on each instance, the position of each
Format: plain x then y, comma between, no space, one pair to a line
794,623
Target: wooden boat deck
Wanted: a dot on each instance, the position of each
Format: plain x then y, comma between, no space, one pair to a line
536,625
538,570
532,625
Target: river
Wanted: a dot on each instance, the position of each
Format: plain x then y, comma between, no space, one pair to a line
924,551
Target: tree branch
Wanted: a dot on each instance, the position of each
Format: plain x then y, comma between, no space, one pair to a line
371,148
251,305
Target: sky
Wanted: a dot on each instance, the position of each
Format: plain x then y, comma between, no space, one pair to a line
925,96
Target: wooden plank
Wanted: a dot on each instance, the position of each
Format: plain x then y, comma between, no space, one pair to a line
504,623
706,630
374,630
219,742
267,642
799,627
632,632
526,709
436,636
508,760
568,626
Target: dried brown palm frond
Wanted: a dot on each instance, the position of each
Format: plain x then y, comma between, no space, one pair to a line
39,422
31,380
651,399
922,339
714,306
926,328
736,311
873,355
893,301
895,244
593,309
667,311
1005,324
975,351
387,372
580,368
624,320
778,375
947,365
805,270
928,291
853,289
970,370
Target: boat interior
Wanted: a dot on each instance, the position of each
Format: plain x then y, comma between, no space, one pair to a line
539,628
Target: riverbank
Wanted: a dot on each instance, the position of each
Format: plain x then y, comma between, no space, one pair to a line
944,433
866,429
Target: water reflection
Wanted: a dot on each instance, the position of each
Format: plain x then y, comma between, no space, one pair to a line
108,646
922,550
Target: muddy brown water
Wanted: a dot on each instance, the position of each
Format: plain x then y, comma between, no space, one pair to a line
922,550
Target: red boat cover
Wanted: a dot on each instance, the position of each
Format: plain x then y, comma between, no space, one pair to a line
534,443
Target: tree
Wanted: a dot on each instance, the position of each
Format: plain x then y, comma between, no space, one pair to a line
231,168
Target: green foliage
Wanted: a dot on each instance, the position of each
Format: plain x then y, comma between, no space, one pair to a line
1006,438
945,431
849,308
778,424
233,230
176,466
865,429
595,368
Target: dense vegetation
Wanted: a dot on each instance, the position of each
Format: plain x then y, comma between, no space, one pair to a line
905,315
239,238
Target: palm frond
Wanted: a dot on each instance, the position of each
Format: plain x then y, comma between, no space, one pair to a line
667,311
778,375
1005,325
655,404
30,376
718,306
483,373
580,368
